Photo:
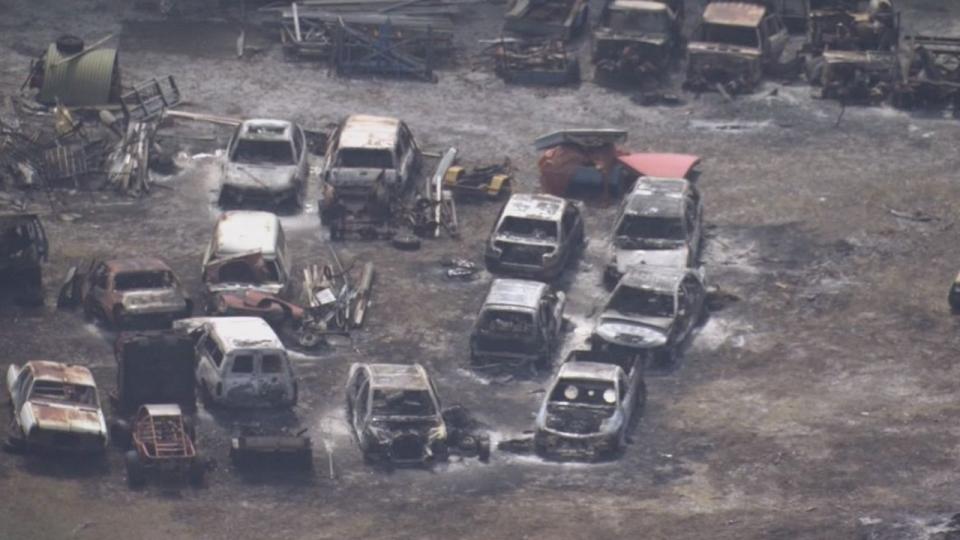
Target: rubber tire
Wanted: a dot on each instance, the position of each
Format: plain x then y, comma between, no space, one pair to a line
68,44
406,242
136,475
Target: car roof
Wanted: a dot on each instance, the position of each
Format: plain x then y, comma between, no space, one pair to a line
365,131
589,370
638,5
244,333
136,264
734,13
520,293
535,206
265,129
657,197
658,278
166,409
45,370
398,376
244,231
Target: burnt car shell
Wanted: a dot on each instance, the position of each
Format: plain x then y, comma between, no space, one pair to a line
737,63
56,407
396,430
529,238
511,327
623,45
264,163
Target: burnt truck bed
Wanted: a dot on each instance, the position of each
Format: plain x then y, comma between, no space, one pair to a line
555,18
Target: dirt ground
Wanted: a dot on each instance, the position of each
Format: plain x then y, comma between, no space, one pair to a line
820,405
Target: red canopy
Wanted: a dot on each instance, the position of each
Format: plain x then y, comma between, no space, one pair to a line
661,165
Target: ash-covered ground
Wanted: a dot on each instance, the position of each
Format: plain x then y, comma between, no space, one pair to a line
822,404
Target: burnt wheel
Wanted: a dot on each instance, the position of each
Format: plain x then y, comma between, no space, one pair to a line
136,474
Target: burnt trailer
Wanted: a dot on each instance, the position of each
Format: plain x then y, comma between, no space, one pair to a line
154,367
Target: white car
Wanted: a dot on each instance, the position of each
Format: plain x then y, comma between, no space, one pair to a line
240,362
55,406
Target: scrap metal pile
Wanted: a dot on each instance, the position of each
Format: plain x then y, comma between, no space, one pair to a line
535,62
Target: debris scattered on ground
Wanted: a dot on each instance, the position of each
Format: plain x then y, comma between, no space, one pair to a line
459,268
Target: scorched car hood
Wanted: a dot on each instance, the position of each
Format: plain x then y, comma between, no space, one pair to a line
65,418
630,259
266,177
152,300
704,48
630,331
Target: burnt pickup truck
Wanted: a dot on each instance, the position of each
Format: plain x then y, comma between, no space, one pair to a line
733,47
520,322
560,19
590,406
636,39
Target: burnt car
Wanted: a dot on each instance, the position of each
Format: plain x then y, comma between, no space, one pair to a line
866,77
519,323
852,25
395,414
636,39
535,236
163,444
651,311
266,163
369,161
561,19
590,406
55,406
240,362
659,223
248,251
134,292
23,250
733,46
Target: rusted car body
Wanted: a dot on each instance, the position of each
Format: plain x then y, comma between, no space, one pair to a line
23,250
55,406
651,311
932,77
248,251
534,236
852,25
637,39
519,323
733,46
141,292
590,406
659,224
395,413
266,163
240,362
369,161
856,76
554,18
162,444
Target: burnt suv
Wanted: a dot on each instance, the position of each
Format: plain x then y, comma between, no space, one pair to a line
134,292
519,323
733,46
535,236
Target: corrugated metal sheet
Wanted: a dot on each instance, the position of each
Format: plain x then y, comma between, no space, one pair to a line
82,82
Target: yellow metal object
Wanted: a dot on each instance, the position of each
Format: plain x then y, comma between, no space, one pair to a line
497,183
453,175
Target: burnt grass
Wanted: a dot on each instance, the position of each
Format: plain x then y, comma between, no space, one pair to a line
819,402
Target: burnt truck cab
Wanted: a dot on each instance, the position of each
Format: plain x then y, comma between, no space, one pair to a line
535,236
248,251
266,162
395,413
134,292
520,322
369,161
240,362
23,250
55,406
733,46
659,224
651,311
637,38
590,406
